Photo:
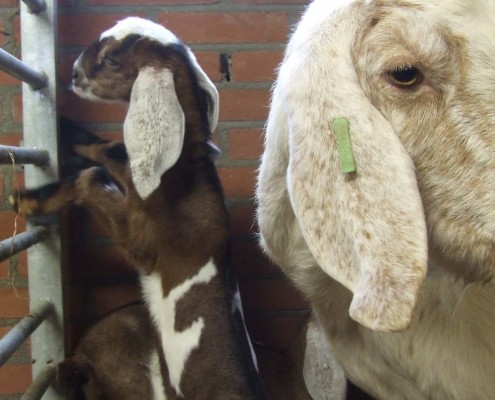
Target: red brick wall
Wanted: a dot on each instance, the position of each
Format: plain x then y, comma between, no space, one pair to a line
252,33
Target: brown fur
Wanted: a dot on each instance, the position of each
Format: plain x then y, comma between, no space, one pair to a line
178,228
111,361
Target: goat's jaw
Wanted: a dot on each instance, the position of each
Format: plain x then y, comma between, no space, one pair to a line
85,92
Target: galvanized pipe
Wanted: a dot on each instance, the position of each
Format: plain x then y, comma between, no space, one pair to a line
40,384
35,6
14,338
22,241
19,70
23,155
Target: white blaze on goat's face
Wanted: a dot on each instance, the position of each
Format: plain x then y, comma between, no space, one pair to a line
177,346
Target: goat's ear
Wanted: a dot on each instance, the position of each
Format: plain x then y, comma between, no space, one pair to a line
153,129
211,92
356,199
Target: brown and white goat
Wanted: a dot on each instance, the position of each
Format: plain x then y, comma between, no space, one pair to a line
167,207
116,359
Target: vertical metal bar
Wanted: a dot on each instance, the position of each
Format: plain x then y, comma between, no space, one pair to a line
14,338
40,384
40,124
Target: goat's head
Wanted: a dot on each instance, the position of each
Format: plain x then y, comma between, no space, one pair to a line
415,79
139,62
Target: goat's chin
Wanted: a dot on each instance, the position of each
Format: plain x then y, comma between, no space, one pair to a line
87,94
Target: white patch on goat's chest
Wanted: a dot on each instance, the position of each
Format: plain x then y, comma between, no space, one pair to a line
156,377
177,346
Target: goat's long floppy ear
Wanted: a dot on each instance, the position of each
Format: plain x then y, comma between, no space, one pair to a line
153,128
211,91
365,228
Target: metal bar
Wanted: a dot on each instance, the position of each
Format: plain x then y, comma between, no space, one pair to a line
40,127
19,70
35,6
23,155
14,338
22,241
40,385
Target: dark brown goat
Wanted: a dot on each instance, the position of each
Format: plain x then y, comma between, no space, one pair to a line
166,208
116,359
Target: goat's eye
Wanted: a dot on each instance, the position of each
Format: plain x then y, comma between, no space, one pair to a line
110,62
405,77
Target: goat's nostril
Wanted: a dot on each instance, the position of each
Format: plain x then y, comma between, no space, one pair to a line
75,75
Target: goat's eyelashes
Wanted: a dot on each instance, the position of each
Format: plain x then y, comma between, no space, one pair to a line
110,62
405,77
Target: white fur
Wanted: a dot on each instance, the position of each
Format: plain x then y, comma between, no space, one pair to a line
153,31
156,377
140,26
323,376
154,128
311,216
237,305
177,346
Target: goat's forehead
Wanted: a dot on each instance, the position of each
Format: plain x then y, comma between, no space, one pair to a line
142,27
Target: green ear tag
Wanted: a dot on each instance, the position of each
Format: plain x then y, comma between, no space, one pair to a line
340,127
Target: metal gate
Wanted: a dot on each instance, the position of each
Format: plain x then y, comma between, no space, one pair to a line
45,322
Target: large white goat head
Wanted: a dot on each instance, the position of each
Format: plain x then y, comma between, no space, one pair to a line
143,63
414,177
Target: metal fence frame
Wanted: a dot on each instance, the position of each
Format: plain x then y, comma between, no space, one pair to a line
45,322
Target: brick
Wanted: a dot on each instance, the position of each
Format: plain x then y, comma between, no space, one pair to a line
248,258
107,298
17,108
244,105
15,31
242,220
8,3
11,139
73,333
15,378
8,80
14,305
74,300
210,62
245,144
277,332
269,1
270,295
93,262
7,224
148,2
82,29
243,27
238,182
72,107
64,68
256,66
22,268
